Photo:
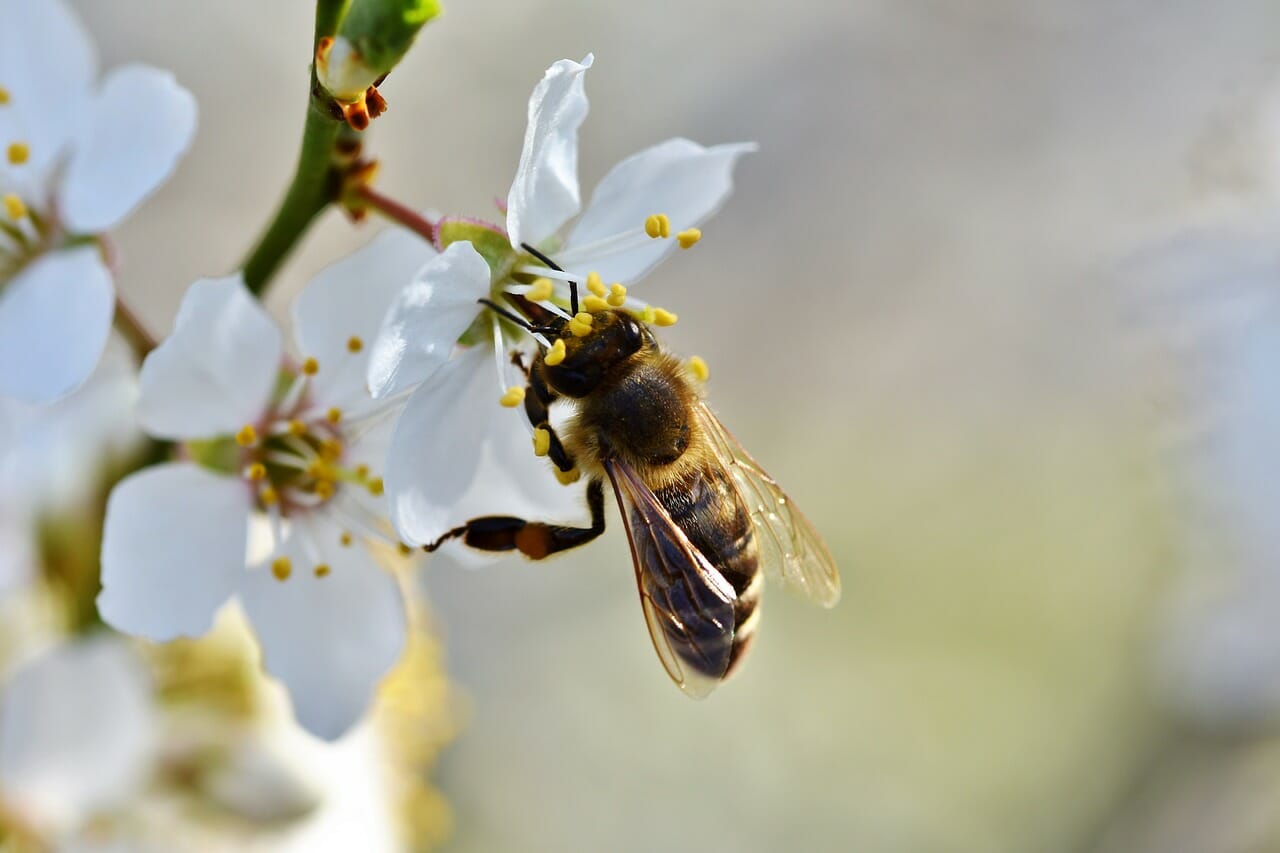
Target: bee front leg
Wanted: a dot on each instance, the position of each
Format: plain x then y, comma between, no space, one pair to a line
537,404
534,539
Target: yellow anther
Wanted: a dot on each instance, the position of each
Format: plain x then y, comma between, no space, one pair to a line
333,415
663,317
513,397
354,344
247,436
282,567
595,284
555,355
568,477
404,548
688,237
13,207
540,290
311,367
19,153
269,496
318,468
346,539
645,315
362,472
594,303
617,295
541,442
376,488
657,225
297,427
698,367
330,450
580,325
4,96
257,471
324,489
322,570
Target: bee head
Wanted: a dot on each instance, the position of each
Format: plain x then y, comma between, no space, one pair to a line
590,347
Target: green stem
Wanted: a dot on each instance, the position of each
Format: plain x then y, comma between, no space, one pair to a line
316,180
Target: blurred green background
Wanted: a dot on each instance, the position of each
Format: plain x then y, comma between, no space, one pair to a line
912,317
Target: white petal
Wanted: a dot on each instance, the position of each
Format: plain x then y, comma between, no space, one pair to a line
329,639
54,320
76,732
48,64
545,191
173,550
351,298
216,372
679,178
140,124
427,318
457,454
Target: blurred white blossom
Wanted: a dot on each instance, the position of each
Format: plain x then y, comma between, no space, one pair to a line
77,157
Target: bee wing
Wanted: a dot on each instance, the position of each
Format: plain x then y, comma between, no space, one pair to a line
688,605
790,548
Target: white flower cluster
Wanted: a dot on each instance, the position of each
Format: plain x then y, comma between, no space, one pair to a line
376,429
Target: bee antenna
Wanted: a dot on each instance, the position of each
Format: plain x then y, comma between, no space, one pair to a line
510,315
573,285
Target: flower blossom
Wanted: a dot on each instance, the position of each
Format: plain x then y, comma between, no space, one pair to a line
298,442
447,460
75,159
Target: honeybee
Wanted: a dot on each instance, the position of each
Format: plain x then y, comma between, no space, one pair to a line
703,519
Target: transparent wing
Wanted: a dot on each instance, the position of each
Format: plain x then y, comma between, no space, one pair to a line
790,548
688,605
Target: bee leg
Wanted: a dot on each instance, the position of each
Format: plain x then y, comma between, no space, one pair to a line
537,403
517,358
534,539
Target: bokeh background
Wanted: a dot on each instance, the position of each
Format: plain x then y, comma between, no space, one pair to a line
939,309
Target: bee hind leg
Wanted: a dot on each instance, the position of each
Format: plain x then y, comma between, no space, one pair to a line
537,404
535,539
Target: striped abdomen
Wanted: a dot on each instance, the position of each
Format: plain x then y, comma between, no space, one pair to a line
706,506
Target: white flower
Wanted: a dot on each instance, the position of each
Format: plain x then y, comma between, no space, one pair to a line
75,159
299,442
77,734
450,459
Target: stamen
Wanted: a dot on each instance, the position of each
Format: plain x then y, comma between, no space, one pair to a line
4,96
18,153
555,354
688,238
297,427
698,367
256,472
541,442
321,571
645,315
513,397
663,317
653,226
14,207
593,303
333,415
405,549
269,496
569,477
331,450
346,539
595,284
545,272
282,567
541,290
247,436
354,344
376,487
580,325
324,489
617,295
310,367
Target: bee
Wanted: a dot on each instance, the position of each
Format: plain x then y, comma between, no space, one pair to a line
704,520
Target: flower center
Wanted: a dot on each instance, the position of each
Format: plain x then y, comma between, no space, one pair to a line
23,232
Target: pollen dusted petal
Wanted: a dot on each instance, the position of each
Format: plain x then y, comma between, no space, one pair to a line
140,124
55,317
173,550
545,194
685,180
